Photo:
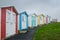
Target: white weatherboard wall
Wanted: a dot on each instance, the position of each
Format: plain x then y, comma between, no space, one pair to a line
13,23
0,23
10,23
24,21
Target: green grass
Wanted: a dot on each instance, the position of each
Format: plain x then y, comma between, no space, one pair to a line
48,32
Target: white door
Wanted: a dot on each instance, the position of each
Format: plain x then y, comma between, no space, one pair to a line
10,23
24,22
0,23
8,30
41,20
13,23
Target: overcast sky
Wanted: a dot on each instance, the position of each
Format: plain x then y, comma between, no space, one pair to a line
47,7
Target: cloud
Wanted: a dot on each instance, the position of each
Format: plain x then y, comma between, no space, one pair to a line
48,7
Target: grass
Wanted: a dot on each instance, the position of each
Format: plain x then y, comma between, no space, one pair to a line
48,32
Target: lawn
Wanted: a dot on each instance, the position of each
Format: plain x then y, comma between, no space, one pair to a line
48,32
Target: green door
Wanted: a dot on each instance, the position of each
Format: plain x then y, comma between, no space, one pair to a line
33,21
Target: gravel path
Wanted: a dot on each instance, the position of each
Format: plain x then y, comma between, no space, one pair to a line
27,36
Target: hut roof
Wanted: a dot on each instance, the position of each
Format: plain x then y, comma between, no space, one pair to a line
41,15
24,13
14,10
34,14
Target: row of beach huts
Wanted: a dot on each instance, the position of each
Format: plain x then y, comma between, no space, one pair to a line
12,22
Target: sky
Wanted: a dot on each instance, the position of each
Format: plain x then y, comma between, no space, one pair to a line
46,7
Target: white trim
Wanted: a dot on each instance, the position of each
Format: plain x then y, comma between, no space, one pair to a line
0,23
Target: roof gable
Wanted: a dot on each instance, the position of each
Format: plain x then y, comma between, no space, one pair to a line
23,13
42,15
9,8
33,14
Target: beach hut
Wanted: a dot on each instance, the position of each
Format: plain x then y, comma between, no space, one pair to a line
44,19
33,20
48,19
38,19
8,22
41,19
23,21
